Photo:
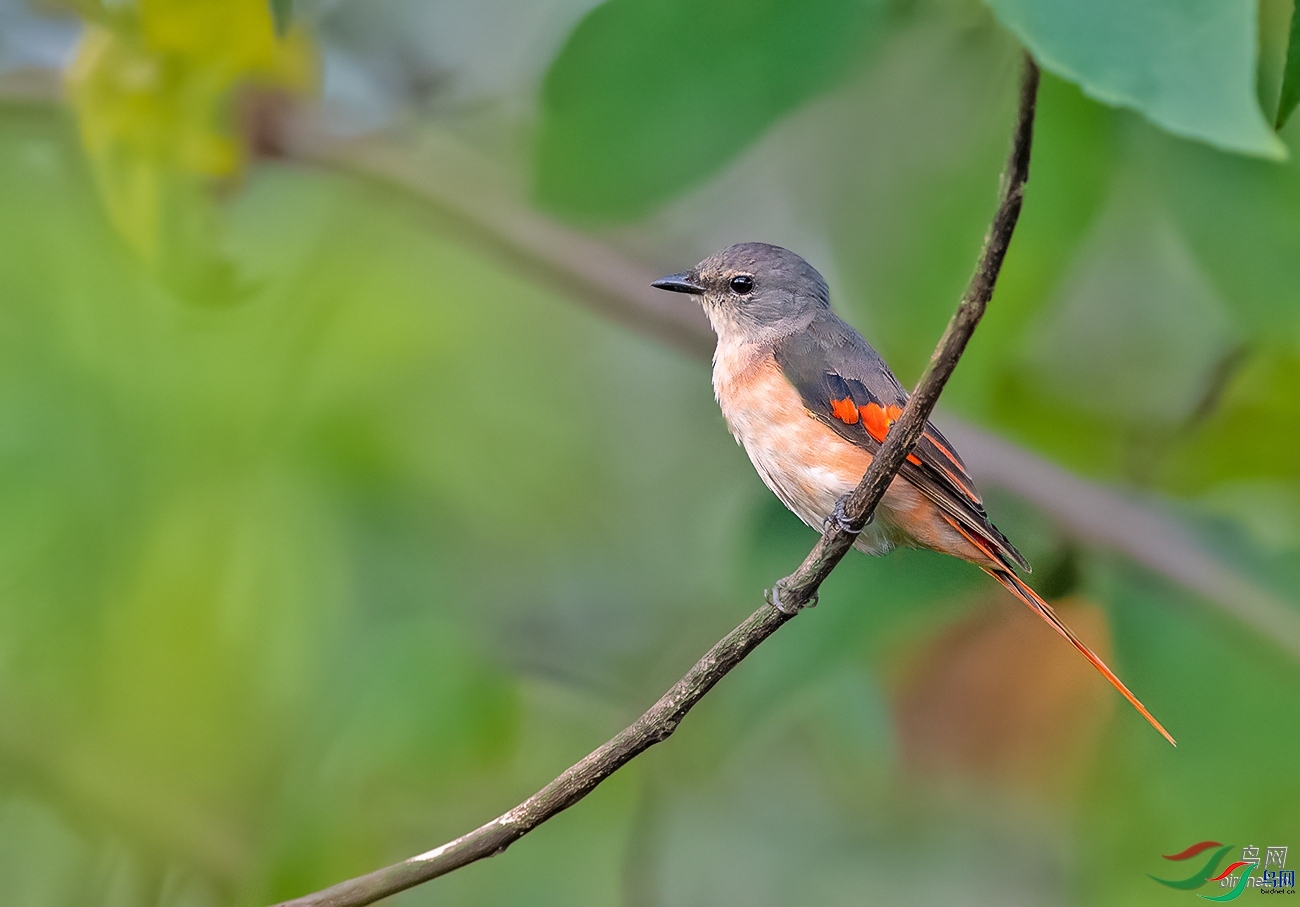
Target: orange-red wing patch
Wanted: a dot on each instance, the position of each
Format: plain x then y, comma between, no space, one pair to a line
876,419
845,411
914,459
873,420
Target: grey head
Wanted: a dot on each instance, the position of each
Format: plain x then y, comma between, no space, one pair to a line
754,291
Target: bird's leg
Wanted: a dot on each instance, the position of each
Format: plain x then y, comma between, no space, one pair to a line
839,518
774,599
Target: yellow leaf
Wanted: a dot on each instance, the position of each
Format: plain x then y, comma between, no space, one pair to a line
154,90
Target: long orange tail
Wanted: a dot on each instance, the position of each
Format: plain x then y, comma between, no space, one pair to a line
1021,591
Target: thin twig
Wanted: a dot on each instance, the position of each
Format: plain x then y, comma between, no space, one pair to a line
797,589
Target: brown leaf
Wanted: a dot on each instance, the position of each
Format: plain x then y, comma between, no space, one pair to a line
999,697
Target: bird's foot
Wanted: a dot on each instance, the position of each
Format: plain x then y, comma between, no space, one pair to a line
781,599
839,518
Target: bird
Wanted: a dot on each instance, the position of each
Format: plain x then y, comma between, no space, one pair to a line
811,402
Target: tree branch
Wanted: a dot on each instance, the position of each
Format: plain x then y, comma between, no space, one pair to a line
795,591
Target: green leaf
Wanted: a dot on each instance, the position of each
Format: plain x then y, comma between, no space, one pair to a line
282,13
1261,403
1290,96
1254,264
1186,65
650,96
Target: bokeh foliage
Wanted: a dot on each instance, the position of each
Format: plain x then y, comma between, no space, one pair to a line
647,97
326,537
155,86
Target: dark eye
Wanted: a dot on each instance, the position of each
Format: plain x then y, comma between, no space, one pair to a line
742,284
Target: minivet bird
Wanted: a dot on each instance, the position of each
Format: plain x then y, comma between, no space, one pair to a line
811,402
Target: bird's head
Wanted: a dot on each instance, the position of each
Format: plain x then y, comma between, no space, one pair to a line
753,291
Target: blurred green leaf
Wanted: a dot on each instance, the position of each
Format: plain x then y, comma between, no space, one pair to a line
1134,319
1290,96
1187,65
650,96
1260,404
1238,215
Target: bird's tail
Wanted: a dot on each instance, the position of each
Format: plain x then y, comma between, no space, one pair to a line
1017,587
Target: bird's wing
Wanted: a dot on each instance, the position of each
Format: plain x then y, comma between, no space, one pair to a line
845,384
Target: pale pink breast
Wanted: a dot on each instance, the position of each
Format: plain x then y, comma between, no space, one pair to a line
806,464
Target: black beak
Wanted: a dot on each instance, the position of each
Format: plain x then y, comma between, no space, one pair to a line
679,283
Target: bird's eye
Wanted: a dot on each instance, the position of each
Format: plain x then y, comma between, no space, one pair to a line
742,284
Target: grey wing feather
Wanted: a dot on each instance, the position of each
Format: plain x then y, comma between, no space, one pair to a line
830,362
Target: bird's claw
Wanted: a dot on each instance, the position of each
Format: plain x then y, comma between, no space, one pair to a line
773,597
839,519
